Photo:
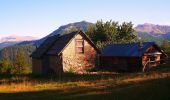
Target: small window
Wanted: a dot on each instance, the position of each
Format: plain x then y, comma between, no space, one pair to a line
152,58
79,46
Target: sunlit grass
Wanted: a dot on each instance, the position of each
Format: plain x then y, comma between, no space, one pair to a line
26,83
91,85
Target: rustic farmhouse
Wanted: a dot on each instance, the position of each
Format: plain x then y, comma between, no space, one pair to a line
63,53
132,57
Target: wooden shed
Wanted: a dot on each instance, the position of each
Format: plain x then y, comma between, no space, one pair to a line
132,57
72,52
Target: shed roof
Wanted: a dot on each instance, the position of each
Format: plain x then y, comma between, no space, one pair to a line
44,46
61,42
54,45
127,50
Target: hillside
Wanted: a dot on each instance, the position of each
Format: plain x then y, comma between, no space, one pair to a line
6,44
151,32
11,52
150,38
83,25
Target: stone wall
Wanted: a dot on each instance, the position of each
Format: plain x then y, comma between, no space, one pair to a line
74,62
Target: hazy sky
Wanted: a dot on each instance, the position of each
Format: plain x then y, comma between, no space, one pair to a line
41,17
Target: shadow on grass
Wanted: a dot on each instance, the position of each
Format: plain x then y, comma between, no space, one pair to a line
148,90
71,77
66,77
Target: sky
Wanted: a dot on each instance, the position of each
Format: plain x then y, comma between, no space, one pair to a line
39,18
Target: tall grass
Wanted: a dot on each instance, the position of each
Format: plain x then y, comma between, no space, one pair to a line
93,80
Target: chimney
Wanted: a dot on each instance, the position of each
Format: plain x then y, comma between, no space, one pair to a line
36,46
140,45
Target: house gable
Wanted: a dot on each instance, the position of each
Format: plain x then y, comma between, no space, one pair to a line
78,62
65,40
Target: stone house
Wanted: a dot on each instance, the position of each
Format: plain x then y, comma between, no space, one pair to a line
132,57
73,52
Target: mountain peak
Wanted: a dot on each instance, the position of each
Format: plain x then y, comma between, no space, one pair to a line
148,24
82,25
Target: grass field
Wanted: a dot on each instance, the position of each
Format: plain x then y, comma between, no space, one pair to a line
153,85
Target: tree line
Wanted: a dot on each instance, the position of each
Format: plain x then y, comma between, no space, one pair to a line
16,60
166,47
111,32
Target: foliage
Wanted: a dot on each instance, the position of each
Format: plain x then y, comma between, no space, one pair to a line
15,59
166,46
70,30
103,33
5,66
150,38
20,65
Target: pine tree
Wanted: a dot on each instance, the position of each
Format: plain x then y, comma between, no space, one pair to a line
5,66
21,66
166,46
103,33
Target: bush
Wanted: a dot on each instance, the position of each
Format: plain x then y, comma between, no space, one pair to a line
5,66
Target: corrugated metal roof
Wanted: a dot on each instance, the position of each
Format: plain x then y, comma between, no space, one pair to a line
126,50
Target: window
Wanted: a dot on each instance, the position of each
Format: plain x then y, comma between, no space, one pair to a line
79,46
152,58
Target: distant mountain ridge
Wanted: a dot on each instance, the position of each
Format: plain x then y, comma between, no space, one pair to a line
16,38
13,40
153,29
147,31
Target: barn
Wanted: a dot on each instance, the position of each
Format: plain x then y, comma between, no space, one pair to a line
132,57
72,52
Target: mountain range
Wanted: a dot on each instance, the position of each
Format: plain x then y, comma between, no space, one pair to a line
153,29
147,31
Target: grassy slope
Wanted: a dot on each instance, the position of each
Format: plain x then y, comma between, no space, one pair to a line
152,85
